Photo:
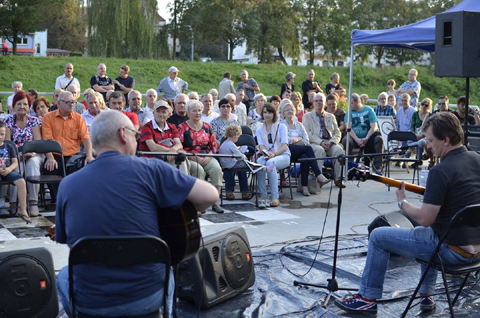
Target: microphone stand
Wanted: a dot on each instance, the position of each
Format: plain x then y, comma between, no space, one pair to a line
332,285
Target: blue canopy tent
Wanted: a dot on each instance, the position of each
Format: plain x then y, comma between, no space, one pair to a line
418,36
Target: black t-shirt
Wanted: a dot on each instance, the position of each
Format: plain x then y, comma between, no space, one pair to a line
285,87
330,86
454,184
101,81
177,120
306,86
128,82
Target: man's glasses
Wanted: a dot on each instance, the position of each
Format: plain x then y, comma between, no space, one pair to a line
225,106
69,103
136,132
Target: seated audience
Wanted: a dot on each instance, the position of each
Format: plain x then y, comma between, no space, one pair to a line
228,147
225,119
272,141
473,118
289,84
180,114
324,135
240,108
79,107
41,106
160,136
56,94
339,113
198,137
193,95
275,101
208,114
383,109
297,103
93,108
254,119
117,102
298,144
418,118
135,106
287,94
151,99
22,128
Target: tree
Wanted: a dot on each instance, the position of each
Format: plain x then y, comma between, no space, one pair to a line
20,17
121,28
66,25
177,10
310,13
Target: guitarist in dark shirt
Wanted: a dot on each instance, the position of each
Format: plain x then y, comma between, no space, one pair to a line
452,185
124,195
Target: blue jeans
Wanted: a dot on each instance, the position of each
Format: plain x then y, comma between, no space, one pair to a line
137,308
419,242
229,177
281,162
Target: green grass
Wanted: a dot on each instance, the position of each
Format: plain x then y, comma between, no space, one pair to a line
40,73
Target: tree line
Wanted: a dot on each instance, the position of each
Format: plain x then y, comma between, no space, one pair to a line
271,29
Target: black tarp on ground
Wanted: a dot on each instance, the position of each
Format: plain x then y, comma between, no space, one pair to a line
274,295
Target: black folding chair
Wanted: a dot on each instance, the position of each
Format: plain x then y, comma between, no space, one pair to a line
467,218
399,137
43,147
119,251
4,182
247,130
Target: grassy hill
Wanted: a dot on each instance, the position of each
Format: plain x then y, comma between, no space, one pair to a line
40,73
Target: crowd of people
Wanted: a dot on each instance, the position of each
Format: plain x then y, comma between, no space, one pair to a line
289,126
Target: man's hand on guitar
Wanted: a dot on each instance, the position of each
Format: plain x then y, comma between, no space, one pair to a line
401,195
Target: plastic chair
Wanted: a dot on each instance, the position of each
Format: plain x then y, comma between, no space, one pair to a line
466,218
401,136
42,147
118,251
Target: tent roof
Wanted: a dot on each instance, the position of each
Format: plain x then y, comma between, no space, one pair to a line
419,35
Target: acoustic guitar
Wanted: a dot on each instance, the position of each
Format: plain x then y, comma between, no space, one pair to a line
180,229
363,175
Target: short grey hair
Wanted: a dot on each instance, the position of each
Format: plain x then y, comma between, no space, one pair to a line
130,93
406,96
283,104
230,95
356,97
321,94
384,95
194,103
258,96
105,126
213,90
192,94
17,82
181,95
64,93
151,90
87,98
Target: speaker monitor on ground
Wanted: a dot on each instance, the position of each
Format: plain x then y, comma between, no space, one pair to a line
220,270
27,284
457,44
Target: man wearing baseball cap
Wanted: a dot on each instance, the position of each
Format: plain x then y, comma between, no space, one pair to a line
160,136
172,85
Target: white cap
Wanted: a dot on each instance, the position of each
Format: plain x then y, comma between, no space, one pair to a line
173,69
162,103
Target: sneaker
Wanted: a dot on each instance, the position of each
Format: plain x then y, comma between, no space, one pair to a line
262,203
427,303
357,303
274,203
217,208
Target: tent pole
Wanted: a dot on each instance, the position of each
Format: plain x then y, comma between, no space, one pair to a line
348,124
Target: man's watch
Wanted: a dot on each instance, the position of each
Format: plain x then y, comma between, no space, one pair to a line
400,203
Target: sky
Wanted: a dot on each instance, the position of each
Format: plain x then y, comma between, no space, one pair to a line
163,10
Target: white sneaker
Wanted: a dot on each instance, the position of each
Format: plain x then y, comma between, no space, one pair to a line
262,203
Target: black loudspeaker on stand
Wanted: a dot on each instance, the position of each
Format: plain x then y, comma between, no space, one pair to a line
222,269
27,284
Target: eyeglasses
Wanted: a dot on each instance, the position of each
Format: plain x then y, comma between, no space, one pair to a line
390,84
225,106
424,105
69,103
136,132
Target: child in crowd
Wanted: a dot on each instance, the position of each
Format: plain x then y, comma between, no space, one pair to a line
8,164
232,132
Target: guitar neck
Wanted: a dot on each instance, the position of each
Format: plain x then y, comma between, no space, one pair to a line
395,183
